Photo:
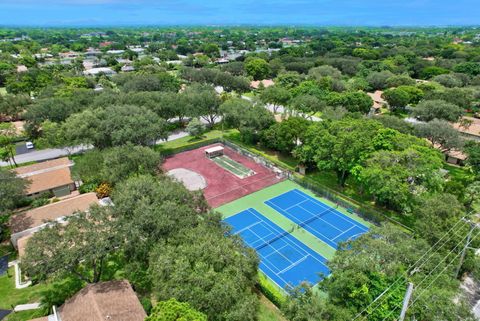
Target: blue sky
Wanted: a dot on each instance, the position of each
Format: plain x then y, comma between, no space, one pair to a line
268,12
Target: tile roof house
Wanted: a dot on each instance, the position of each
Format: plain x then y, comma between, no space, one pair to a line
23,225
471,131
266,83
104,301
48,177
378,101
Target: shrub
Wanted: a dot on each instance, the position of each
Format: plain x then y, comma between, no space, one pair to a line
103,190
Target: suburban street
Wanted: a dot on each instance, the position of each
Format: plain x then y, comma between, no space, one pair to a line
51,153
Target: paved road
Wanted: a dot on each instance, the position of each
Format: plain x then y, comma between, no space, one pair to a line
44,154
51,153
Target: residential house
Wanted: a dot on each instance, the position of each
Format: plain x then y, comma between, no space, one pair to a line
101,70
127,68
469,128
266,83
25,224
378,101
104,301
51,177
22,68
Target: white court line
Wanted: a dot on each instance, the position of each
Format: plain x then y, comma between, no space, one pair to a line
279,249
294,264
295,205
296,247
319,218
335,211
343,233
289,215
247,228
290,243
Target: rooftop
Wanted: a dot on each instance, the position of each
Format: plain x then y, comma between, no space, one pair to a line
46,175
266,83
40,215
377,98
104,301
473,129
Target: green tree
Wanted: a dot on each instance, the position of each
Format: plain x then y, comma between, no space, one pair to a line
396,98
115,126
276,96
153,209
469,68
395,178
339,146
113,165
473,151
12,189
396,123
285,136
437,109
201,266
195,128
248,118
203,102
378,79
257,68
435,214
432,71
172,310
7,143
307,104
448,80
441,134
288,80
80,248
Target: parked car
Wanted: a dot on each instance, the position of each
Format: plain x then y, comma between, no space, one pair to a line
29,145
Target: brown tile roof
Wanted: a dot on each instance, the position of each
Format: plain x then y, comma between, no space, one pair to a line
473,129
377,98
104,301
22,244
46,175
40,215
64,161
266,83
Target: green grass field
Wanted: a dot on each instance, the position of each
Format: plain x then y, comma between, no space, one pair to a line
256,200
10,296
232,166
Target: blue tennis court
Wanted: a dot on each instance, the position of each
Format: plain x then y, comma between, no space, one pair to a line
323,221
283,258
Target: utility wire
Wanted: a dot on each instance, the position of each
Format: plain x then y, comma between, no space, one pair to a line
412,268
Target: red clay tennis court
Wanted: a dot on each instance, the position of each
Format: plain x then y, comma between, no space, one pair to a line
222,185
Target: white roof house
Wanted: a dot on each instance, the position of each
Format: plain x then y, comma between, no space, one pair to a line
97,71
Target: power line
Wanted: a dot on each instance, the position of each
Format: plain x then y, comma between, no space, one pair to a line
412,268
395,308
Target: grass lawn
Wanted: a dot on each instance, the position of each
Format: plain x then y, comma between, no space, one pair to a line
25,315
268,311
10,296
189,140
459,173
282,160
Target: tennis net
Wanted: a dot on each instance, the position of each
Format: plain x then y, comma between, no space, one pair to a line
273,239
315,217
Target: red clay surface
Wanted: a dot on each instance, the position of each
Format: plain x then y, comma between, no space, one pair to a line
222,186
